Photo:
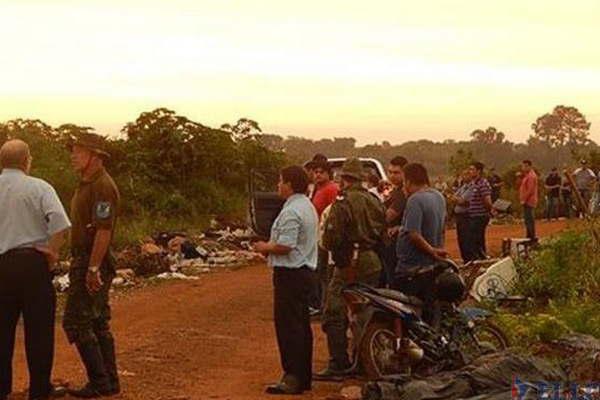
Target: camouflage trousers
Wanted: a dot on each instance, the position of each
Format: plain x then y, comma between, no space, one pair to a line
87,315
335,319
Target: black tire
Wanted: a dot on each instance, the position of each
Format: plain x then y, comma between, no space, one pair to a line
486,338
486,326
377,353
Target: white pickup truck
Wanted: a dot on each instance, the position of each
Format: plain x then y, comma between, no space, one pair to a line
265,206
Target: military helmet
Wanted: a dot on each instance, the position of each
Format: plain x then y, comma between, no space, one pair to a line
91,141
352,168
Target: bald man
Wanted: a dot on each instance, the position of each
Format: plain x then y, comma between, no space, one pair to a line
33,224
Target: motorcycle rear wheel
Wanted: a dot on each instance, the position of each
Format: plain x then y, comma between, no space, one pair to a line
486,338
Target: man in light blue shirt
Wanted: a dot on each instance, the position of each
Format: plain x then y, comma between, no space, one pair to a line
33,224
296,227
292,252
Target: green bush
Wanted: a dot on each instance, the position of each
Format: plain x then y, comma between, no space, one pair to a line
564,269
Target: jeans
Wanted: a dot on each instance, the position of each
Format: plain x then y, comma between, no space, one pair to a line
529,217
552,204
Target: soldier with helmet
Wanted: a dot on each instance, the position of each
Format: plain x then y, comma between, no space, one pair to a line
353,228
94,210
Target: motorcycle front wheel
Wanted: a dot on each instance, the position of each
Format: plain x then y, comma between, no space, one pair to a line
377,353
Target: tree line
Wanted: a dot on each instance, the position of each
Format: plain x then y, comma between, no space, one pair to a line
558,139
167,164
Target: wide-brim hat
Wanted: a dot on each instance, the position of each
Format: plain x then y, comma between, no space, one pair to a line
352,168
91,141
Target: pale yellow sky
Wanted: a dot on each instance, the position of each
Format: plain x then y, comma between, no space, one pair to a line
378,70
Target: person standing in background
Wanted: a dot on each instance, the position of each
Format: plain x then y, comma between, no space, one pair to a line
584,182
292,253
325,193
462,198
480,209
33,223
309,168
552,186
374,186
496,183
528,195
566,192
394,211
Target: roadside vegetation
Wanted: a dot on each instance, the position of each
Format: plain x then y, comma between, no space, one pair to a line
563,280
173,173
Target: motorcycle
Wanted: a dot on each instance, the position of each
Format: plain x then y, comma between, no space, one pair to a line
395,333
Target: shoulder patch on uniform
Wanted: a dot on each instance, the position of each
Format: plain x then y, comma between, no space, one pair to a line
103,210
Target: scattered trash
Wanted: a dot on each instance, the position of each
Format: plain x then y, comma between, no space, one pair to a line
495,281
175,275
175,255
61,283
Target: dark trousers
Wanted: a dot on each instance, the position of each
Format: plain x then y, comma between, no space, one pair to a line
529,217
567,205
320,279
552,205
476,243
26,289
462,234
387,255
292,323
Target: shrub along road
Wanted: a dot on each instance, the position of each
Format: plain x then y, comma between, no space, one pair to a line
206,339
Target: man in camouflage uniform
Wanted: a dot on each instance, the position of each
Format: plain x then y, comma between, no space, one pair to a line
353,228
94,210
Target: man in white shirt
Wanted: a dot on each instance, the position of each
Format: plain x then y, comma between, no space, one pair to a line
33,223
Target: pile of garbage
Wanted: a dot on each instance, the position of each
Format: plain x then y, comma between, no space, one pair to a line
177,255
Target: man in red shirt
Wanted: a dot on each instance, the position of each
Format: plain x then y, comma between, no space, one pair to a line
528,195
325,193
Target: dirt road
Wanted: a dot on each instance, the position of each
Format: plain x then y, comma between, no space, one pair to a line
206,339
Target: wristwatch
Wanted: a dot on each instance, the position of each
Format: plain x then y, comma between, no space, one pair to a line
93,269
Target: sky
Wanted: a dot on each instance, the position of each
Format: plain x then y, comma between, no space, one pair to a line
379,70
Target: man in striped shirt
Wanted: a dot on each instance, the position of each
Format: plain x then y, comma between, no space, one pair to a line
480,208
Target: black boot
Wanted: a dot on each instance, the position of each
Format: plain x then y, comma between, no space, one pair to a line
98,384
107,347
339,364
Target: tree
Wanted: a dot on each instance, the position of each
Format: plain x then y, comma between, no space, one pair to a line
243,129
565,126
460,161
489,136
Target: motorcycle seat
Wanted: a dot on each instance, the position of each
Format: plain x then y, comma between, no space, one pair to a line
401,297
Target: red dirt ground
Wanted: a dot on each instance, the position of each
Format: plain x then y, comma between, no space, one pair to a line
207,339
